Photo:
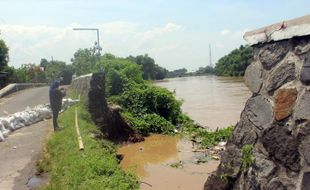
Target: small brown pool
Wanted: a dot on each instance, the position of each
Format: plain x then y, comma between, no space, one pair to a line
166,162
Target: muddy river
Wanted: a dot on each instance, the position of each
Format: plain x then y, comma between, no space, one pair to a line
168,162
210,100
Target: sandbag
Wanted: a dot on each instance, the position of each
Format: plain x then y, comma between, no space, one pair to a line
1,137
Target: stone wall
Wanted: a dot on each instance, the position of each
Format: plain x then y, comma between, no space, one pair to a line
81,86
275,123
107,117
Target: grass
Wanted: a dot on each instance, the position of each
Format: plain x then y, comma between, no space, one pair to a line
94,168
247,157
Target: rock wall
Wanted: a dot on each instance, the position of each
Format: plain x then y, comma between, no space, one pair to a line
275,123
106,117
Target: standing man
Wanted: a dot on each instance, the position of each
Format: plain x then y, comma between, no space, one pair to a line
56,96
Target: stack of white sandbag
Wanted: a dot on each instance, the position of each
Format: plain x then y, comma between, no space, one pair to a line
68,102
28,116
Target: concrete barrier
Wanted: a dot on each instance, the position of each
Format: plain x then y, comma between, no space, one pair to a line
14,87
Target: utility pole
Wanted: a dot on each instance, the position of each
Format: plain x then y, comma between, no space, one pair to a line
210,57
97,47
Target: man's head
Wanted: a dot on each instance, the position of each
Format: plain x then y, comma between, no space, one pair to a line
57,84
54,85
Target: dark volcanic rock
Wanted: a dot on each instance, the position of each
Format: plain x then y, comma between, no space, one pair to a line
264,168
272,53
246,180
244,132
253,77
302,108
281,75
284,103
305,149
302,46
282,146
280,184
231,161
305,184
305,70
215,182
259,111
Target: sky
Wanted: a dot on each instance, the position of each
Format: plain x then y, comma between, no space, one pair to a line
176,33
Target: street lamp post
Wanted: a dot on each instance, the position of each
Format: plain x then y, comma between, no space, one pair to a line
97,46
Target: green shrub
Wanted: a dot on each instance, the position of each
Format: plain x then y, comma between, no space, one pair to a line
141,99
149,123
120,73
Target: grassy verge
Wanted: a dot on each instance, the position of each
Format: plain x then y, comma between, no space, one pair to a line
94,168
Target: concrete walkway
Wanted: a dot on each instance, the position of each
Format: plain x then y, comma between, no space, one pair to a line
19,153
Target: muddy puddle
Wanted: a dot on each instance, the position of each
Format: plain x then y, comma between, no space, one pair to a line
166,163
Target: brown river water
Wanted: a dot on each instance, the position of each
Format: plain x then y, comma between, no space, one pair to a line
211,101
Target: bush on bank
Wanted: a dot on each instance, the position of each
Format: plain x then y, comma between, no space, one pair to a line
148,108
94,168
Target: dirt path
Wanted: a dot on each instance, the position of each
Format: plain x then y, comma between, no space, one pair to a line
19,153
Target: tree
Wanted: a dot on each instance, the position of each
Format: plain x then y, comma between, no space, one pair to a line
151,71
235,63
205,70
28,73
84,61
54,69
177,73
43,63
4,55
120,73
161,72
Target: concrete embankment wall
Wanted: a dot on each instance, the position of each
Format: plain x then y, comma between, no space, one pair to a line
270,146
11,88
107,117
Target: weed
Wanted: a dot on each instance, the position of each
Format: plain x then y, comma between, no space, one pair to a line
247,157
202,136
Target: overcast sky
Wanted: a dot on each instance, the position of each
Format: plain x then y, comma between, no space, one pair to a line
176,33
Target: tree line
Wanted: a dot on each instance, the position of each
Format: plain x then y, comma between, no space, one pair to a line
84,61
233,64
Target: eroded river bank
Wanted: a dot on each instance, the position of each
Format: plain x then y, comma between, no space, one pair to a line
169,162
